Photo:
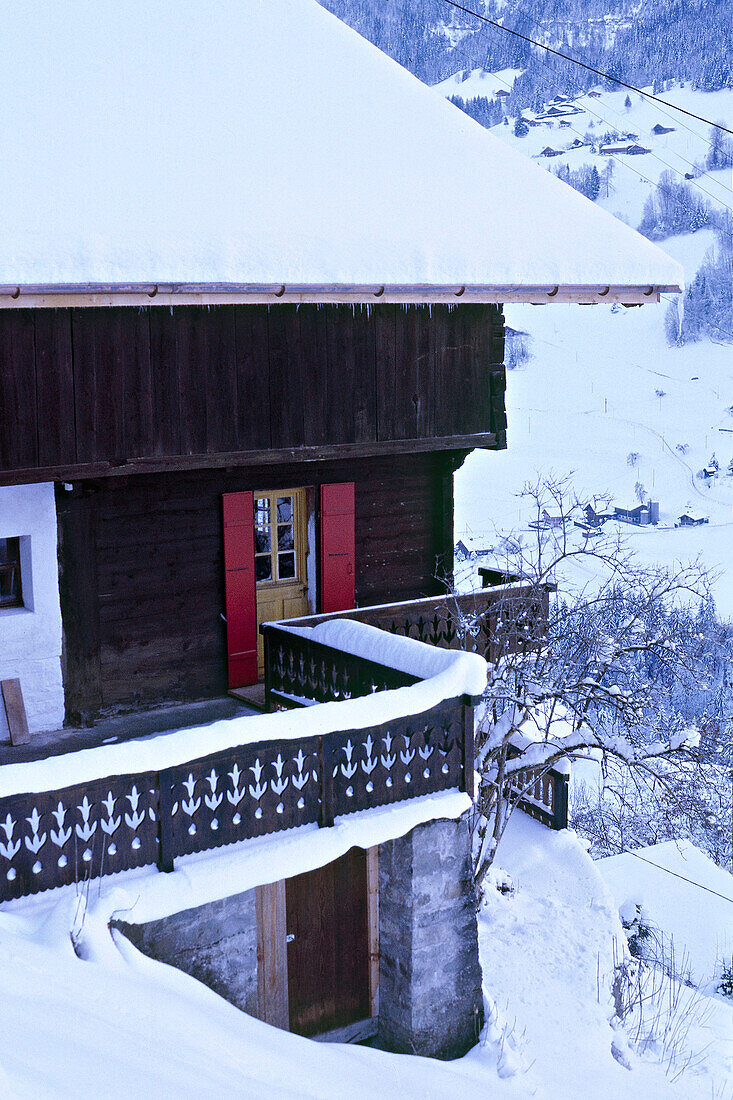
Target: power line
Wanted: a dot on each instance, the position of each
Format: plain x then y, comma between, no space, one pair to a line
675,875
666,114
594,111
590,69
715,198
641,176
693,181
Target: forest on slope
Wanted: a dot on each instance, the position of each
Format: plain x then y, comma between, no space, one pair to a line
642,44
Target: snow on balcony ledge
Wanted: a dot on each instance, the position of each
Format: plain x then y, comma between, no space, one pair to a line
445,674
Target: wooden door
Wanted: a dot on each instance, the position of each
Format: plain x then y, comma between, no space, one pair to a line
280,552
328,956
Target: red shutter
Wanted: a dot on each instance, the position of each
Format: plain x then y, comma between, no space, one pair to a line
241,595
337,546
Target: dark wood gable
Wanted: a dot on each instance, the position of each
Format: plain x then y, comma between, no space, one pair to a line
95,392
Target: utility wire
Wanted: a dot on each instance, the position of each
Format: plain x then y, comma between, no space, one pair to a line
623,163
641,176
590,69
678,171
675,875
689,129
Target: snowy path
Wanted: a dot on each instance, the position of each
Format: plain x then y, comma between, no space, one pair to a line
636,424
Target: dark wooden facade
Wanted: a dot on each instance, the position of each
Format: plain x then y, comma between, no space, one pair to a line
145,417
90,392
142,568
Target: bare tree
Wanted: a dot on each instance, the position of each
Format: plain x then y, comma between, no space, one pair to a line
581,672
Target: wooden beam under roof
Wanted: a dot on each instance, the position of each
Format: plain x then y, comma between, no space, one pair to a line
49,295
267,457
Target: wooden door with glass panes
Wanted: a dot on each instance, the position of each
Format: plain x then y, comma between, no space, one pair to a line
281,546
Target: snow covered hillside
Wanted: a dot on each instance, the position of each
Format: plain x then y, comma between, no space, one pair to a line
106,1020
670,884
604,397
474,83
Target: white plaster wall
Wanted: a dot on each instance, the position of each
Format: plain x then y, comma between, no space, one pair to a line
30,636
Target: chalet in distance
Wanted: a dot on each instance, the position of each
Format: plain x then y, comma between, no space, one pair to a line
250,325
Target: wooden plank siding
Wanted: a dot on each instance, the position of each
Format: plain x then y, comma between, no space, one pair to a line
80,387
142,580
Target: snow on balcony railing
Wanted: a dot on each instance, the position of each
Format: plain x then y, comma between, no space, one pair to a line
112,808
493,621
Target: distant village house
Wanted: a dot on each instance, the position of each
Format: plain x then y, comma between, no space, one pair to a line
639,514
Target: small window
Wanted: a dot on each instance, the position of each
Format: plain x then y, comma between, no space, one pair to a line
11,587
279,540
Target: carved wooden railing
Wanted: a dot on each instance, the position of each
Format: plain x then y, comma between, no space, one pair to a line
119,822
492,621
543,793
300,670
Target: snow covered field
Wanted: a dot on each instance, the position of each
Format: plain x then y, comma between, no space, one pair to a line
674,883
604,398
476,83
113,1023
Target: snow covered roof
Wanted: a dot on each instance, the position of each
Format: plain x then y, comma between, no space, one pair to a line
263,150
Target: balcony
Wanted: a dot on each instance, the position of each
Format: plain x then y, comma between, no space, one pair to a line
369,707
404,729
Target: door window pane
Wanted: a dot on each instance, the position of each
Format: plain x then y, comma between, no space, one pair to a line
263,567
284,509
262,526
262,541
285,538
286,566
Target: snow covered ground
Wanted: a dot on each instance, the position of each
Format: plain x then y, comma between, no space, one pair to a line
474,83
674,883
604,398
548,957
111,1023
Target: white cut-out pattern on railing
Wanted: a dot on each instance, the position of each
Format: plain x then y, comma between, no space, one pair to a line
112,823
49,839
70,835
11,847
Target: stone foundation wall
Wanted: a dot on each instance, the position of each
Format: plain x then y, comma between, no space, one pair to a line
216,943
430,997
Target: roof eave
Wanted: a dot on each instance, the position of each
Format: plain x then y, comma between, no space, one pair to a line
55,295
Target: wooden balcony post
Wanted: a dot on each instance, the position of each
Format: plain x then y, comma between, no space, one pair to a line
468,702
165,821
560,792
327,802
267,642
